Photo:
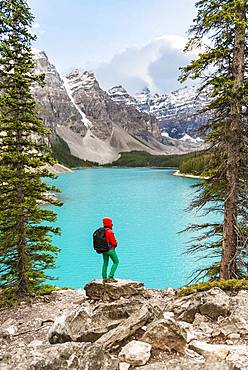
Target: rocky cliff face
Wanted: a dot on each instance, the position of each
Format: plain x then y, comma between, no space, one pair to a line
176,112
105,113
54,103
97,126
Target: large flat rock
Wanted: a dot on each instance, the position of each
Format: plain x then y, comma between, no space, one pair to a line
97,290
66,356
88,323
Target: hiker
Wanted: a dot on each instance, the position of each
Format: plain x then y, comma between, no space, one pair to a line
111,253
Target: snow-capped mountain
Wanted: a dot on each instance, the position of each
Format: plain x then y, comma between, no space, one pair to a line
98,126
120,95
176,112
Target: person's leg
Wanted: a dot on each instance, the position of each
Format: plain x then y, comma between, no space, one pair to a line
115,259
105,265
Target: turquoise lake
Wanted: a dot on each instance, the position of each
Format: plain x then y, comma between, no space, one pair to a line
147,208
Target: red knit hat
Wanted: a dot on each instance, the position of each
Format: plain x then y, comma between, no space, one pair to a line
107,222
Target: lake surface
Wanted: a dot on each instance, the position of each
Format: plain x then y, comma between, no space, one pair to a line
147,208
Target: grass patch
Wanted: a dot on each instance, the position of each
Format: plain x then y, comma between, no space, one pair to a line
61,152
232,284
9,297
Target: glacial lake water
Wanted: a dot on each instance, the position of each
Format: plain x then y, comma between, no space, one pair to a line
148,210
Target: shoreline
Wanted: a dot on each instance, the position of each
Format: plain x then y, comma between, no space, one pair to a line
177,173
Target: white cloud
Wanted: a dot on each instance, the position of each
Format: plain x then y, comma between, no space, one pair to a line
155,65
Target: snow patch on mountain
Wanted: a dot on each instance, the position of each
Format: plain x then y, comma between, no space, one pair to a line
120,95
165,134
79,79
179,112
87,123
171,105
188,138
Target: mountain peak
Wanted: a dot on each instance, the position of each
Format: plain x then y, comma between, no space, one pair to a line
120,95
89,79
39,54
79,79
146,91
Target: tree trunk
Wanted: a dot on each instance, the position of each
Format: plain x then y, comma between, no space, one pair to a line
21,266
21,239
233,137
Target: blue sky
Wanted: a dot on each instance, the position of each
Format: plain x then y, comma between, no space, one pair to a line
102,34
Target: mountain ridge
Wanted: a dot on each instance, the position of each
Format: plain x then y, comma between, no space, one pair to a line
94,126
178,112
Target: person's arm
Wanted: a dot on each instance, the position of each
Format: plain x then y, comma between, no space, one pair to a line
111,237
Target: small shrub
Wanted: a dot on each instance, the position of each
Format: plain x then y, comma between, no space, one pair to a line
231,284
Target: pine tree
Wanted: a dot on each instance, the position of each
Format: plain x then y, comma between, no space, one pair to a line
26,251
222,68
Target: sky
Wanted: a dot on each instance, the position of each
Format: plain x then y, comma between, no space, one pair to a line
135,43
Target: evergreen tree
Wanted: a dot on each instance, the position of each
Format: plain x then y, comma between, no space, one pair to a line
26,251
222,67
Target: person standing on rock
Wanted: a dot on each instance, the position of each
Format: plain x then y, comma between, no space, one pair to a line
111,253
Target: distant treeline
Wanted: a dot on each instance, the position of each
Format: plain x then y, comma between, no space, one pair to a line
144,159
193,163
197,165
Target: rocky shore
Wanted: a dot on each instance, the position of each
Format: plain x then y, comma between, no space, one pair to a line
58,168
178,173
121,326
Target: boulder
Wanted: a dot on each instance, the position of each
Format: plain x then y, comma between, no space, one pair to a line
71,356
128,327
7,329
238,356
88,323
213,303
166,334
136,353
237,322
210,351
97,290
186,364
124,366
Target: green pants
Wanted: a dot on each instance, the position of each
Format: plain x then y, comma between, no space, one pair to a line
112,254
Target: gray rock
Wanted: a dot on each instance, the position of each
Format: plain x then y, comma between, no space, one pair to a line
135,353
234,336
186,364
115,337
210,351
88,323
166,334
213,303
71,356
124,366
237,322
112,291
239,357
35,343
8,328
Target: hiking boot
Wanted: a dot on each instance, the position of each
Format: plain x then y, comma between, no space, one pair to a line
112,280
